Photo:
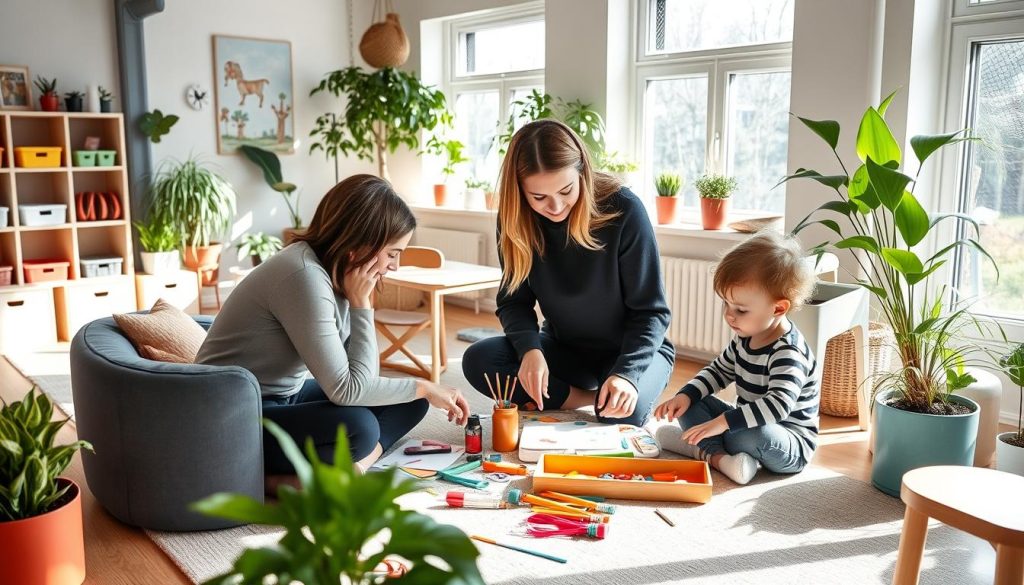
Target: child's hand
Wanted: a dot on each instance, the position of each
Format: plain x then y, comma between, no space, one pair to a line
673,408
713,427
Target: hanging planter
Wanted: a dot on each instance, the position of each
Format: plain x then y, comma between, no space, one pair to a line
384,44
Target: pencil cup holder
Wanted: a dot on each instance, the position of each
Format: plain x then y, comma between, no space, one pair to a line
505,429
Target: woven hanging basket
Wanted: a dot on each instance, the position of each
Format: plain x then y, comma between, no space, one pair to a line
384,44
839,371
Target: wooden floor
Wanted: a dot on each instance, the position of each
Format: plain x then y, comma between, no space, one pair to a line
117,554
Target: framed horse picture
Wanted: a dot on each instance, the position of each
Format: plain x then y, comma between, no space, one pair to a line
253,95
15,88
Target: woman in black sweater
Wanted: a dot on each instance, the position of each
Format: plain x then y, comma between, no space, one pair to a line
581,245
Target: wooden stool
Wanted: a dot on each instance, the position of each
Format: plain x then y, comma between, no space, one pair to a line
979,501
200,272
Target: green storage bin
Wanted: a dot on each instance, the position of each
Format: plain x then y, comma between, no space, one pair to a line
106,158
85,158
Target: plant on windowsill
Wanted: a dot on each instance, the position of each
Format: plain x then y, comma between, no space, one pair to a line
270,164
41,539
159,242
479,194
258,247
341,526
617,164
384,109
668,185
1010,445
714,190
919,419
451,152
48,100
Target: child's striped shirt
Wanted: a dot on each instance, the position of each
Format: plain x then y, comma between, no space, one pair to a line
774,384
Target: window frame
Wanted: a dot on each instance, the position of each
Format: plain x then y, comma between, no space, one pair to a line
964,8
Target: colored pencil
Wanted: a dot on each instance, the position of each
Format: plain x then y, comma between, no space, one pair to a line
491,388
520,549
597,507
407,463
665,518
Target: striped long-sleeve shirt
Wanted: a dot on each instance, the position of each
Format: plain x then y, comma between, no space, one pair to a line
776,383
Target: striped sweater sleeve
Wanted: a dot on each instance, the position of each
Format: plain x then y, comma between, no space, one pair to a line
714,377
788,370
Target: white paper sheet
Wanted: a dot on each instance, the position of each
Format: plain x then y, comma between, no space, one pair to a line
433,462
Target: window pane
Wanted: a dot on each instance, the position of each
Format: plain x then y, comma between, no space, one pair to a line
476,119
995,194
758,137
689,25
675,122
514,47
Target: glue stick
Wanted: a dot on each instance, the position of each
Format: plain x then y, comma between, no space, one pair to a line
471,500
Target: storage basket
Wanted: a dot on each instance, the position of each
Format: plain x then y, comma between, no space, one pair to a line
36,215
37,157
94,266
45,270
384,43
106,158
6,273
839,371
85,158
400,298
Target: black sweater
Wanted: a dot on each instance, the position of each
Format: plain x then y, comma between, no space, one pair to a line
603,302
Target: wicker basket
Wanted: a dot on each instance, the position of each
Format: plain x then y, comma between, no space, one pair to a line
839,372
384,44
400,298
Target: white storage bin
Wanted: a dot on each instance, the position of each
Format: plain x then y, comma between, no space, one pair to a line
3,216
35,215
27,321
80,302
94,266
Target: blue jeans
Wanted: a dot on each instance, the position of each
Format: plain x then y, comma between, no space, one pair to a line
308,413
776,448
567,366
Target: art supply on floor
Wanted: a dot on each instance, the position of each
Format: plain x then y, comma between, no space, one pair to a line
469,466
473,458
504,467
499,477
582,437
435,462
546,525
665,518
494,457
517,497
474,435
578,514
463,481
575,501
505,429
474,500
624,478
520,549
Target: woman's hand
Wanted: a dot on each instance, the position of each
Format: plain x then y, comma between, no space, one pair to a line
446,398
617,398
359,284
673,408
533,375
712,428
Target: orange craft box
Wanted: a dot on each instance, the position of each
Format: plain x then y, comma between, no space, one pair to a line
45,270
37,157
550,475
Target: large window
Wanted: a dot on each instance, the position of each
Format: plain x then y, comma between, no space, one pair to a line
484,77
713,83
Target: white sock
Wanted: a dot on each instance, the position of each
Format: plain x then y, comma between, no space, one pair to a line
740,467
671,437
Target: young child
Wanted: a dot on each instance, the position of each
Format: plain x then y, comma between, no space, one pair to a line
775,419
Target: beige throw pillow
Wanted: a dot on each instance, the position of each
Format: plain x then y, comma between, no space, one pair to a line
166,334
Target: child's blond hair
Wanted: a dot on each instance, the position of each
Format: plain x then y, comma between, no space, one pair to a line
771,261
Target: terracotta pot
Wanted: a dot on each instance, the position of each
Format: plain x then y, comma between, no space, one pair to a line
288,234
713,212
208,258
668,209
491,200
440,195
49,102
48,549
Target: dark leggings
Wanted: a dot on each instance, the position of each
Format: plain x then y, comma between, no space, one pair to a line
567,366
309,413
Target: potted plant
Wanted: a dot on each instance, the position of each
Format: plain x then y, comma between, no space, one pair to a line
270,164
106,100
159,242
580,116
618,165
48,100
1010,445
330,522
667,186
200,205
258,247
73,101
383,110
714,191
41,538
490,197
476,193
451,151
919,420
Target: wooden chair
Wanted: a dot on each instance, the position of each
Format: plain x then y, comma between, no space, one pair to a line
413,321
979,501
201,277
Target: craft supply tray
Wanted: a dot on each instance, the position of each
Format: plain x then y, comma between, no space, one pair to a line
551,469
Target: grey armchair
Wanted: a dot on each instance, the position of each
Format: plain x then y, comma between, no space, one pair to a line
165,435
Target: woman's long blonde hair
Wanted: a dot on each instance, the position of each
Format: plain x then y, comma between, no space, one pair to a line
540,147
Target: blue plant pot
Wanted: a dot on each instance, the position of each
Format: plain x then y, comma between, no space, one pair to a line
907,440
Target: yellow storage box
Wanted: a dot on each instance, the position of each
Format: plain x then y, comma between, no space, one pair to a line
37,157
552,470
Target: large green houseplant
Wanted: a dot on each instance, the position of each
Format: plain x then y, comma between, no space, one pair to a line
919,419
40,512
200,204
341,525
580,116
383,110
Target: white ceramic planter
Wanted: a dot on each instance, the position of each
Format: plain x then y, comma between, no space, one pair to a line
475,199
987,392
161,262
1009,458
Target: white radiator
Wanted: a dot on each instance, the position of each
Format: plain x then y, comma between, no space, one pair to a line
456,245
697,327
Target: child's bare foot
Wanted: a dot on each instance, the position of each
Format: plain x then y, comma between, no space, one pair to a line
740,467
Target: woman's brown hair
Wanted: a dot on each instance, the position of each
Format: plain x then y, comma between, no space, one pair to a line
359,217
540,147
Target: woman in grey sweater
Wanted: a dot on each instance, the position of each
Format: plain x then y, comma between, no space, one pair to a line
307,310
